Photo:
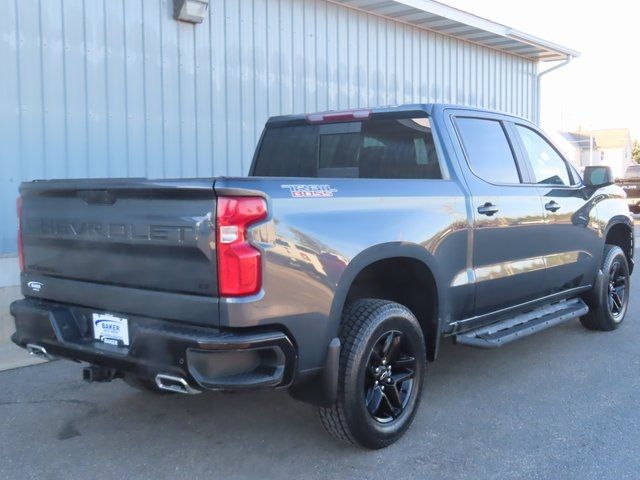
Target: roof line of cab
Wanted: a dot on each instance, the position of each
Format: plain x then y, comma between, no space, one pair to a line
387,110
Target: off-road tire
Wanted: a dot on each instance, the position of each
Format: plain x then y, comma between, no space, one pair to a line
601,317
364,323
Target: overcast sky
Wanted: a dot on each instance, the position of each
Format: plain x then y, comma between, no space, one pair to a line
601,88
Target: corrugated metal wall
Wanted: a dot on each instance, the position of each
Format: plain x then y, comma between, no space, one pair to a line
116,88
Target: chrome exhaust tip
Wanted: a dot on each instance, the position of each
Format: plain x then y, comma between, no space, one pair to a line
38,351
171,383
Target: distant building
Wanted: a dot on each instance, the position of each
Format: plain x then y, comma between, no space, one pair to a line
611,147
616,146
580,148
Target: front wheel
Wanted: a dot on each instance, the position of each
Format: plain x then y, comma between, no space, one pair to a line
614,296
382,365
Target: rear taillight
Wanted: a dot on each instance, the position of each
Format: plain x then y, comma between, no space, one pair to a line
239,263
20,242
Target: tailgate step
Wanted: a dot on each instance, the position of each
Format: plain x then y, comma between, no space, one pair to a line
523,325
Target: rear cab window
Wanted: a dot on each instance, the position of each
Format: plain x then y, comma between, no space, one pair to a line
395,148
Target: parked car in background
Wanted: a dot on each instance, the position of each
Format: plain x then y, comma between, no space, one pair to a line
631,186
358,242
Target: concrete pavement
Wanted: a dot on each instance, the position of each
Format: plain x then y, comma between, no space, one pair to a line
12,356
562,404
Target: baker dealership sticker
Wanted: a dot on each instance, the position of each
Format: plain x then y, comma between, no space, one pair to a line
306,191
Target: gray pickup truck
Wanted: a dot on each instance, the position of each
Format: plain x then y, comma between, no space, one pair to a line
357,243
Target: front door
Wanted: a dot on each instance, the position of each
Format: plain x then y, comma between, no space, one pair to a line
572,247
508,220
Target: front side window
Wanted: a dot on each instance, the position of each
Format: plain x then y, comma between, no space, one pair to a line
376,148
547,164
488,151
577,177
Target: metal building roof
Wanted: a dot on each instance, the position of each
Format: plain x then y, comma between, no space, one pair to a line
432,15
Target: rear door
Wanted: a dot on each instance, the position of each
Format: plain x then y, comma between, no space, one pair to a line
508,220
572,247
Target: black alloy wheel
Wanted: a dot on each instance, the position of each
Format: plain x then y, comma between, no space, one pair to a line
389,380
617,289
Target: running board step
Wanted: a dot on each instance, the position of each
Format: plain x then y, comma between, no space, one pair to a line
523,325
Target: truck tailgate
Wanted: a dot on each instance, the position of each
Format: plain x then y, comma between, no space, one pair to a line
631,187
152,235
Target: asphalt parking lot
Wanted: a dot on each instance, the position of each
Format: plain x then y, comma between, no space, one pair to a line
562,404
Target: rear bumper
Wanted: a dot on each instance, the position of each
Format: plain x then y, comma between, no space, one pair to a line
181,307
206,358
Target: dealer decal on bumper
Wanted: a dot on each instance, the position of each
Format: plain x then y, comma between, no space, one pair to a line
110,329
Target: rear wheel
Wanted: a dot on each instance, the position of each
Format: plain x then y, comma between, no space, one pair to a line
614,297
382,364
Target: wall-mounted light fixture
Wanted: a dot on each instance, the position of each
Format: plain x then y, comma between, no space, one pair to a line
193,11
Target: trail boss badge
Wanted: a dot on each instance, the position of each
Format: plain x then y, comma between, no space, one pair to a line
303,191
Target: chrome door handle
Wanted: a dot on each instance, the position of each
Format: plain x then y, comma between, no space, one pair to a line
552,206
487,209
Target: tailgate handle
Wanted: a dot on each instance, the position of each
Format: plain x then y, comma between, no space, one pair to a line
97,197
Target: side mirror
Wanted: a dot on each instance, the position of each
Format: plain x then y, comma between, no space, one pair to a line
599,176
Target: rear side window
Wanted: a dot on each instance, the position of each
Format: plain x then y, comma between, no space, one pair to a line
488,151
286,150
547,164
377,148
